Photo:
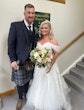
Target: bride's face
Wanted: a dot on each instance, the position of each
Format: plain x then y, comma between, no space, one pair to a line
45,30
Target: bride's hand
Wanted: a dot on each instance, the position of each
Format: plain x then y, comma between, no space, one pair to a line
48,69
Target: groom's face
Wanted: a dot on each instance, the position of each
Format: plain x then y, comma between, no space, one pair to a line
29,15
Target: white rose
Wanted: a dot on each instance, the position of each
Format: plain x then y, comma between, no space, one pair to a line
44,51
36,55
39,60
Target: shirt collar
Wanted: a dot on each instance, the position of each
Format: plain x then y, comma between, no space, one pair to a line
27,23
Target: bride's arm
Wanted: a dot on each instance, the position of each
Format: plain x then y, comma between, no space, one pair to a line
55,55
53,61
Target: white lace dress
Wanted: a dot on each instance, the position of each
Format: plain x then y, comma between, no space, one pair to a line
48,91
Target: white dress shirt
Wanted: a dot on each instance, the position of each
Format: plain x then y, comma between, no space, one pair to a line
26,24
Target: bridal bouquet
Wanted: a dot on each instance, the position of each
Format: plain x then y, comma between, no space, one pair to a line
41,56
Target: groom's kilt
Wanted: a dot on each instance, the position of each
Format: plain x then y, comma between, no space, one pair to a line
21,76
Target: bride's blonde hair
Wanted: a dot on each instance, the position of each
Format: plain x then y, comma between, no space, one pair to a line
51,35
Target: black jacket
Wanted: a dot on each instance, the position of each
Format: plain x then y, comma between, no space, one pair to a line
20,42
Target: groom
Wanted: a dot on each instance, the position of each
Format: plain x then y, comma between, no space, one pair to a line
21,40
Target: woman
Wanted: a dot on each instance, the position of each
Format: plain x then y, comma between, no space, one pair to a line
48,90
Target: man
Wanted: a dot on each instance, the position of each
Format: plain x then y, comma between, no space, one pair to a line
21,41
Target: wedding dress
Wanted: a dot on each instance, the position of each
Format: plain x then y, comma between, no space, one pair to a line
48,91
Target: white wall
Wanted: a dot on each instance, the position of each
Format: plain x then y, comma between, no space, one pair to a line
67,22
71,54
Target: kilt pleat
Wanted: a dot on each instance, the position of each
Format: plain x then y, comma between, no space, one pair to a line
21,76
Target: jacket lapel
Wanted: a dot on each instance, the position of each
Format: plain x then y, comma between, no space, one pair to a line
28,35
25,31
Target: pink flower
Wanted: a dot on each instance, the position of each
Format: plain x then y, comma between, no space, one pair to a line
48,54
45,61
40,53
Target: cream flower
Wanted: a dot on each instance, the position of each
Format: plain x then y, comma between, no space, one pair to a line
39,60
36,55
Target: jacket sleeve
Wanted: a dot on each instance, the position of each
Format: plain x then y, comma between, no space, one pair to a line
12,43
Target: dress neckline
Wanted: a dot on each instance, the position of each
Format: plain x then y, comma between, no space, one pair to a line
45,43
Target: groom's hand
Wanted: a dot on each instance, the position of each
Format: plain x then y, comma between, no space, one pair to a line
14,65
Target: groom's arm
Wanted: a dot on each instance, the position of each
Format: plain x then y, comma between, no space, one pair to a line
12,43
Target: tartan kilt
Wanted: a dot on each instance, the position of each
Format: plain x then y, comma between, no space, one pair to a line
21,76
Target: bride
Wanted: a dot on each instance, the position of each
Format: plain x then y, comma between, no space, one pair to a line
48,91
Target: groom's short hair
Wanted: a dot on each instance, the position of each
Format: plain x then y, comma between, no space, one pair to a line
28,6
